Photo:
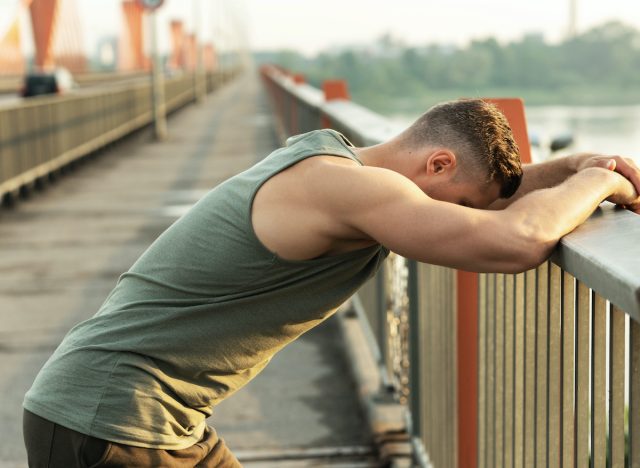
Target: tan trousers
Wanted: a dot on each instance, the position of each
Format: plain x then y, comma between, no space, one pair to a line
50,445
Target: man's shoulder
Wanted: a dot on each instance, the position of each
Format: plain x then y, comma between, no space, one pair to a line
338,185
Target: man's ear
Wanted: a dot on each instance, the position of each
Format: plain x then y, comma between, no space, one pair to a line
441,162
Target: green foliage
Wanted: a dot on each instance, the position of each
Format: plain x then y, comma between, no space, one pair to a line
600,66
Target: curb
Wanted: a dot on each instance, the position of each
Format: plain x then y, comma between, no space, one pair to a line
385,416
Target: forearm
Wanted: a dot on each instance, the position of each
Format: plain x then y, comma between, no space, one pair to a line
542,175
547,215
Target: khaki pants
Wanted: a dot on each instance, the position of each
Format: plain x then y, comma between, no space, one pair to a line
50,445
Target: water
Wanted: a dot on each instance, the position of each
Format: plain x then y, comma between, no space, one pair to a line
608,130
613,130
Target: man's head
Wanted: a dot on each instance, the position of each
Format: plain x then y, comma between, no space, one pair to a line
467,153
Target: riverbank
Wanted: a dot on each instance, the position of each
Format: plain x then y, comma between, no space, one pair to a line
415,104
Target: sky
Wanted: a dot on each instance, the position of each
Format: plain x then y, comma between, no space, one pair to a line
311,25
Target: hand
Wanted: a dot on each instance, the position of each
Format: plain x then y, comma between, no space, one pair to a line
623,166
624,194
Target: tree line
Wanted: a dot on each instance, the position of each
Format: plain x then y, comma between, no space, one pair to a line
599,66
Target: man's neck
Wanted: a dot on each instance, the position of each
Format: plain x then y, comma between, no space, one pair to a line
387,155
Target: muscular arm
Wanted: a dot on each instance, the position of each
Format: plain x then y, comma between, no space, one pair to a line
555,171
539,176
390,209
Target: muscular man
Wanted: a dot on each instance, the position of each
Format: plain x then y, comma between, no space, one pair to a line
272,252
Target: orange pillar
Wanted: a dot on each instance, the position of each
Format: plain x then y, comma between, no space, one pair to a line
177,45
132,39
192,52
209,58
44,16
333,89
67,46
467,336
467,316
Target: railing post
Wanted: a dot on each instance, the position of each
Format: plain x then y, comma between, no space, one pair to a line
333,89
294,123
467,379
381,301
414,347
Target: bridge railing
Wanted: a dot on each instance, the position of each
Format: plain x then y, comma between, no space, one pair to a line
40,135
500,369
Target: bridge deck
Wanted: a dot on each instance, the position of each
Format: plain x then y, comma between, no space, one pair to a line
61,252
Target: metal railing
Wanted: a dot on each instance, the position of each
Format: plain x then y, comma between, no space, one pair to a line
40,135
535,368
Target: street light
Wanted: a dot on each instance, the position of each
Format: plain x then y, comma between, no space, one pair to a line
157,77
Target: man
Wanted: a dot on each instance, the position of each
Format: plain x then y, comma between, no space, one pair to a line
272,252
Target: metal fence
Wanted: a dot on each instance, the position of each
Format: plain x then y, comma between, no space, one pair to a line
496,370
40,135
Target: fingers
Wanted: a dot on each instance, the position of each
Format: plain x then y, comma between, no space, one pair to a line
628,168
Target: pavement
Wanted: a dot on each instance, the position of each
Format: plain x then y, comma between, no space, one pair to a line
63,248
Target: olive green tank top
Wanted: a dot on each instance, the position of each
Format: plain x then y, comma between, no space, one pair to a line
197,316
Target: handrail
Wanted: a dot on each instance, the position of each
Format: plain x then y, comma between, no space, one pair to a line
41,135
604,253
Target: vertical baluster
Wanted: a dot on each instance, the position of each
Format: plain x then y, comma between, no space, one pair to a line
482,371
634,394
568,354
554,357
415,312
509,332
448,390
451,370
429,372
530,370
442,366
518,372
452,391
435,404
542,335
381,313
455,415
437,389
616,387
491,376
436,437
499,372
427,375
598,382
581,435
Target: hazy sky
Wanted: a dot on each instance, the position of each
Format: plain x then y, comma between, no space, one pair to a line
312,25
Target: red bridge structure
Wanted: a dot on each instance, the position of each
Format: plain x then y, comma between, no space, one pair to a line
58,40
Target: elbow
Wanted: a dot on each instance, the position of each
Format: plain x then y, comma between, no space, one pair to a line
534,244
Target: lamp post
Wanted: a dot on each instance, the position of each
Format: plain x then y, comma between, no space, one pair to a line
157,77
198,76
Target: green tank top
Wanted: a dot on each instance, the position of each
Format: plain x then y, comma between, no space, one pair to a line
197,316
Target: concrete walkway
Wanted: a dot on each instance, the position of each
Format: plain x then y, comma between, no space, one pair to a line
62,251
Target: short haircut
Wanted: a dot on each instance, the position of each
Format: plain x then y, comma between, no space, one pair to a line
478,134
